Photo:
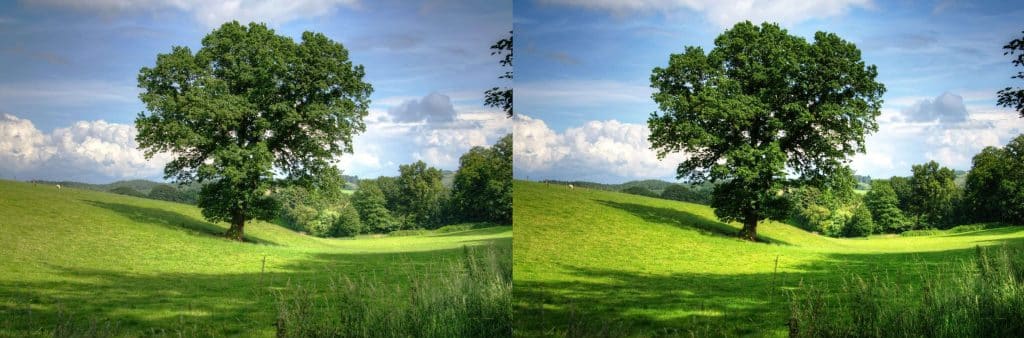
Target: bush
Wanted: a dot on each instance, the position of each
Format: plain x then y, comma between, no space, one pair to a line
371,204
128,191
347,224
860,223
638,190
323,224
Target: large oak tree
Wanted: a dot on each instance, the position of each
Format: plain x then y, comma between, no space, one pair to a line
248,105
760,105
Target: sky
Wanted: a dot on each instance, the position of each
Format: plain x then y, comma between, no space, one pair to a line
583,69
68,72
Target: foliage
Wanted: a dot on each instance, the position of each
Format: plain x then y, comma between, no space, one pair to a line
391,190
861,223
502,97
249,104
995,184
688,193
369,201
127,191
1010,97
347,223
932,193
759,103
637,190
420,195
167,192
883,204
470,297
901,186
984,299
483,184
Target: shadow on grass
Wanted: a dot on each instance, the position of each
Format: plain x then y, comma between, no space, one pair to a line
170,219
191,304
595,302
683,219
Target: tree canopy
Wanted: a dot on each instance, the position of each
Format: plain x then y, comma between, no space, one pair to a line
762,102
932,191
995,184
1014,97
501,97
247,105
483,185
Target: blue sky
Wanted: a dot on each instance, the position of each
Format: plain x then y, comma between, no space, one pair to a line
68,93
583,68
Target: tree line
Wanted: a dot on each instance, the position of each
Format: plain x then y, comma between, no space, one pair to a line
417,198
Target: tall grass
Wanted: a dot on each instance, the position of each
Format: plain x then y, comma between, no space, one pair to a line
980,299
469,297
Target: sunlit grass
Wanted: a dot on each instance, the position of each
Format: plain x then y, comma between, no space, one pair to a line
590,262
80,261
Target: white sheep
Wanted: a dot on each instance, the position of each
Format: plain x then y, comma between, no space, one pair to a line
571,187
58,187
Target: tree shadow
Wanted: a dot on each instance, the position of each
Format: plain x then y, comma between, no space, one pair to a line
591,301
683,219
171,220
192,304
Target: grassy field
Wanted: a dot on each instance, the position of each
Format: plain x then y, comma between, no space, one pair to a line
592,263
78,258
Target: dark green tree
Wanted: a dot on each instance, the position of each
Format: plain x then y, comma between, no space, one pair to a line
501,97
881,200
901,186
482,189
128,191
932,191
759,103
167,192
347,223
1014,97
995,184
638,190
421,194
860,223
392,192
248,105
369,201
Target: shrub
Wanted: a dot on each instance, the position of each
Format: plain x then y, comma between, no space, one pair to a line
638,190
128,191
347,223
860,223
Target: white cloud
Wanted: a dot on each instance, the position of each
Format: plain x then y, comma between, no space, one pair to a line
947,107
727,13
22,146
597,150
90,150
214,13
434,107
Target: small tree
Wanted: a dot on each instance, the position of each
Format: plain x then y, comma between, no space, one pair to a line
128,191
347,224
860,223
483,184
421,194
1010,97
883,204
166,192
248,105
370,203
932,192
638,190
759,103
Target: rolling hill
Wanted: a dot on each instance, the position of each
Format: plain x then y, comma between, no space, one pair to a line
590,262
82,258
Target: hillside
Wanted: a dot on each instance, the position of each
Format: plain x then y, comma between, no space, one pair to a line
79,256
593,262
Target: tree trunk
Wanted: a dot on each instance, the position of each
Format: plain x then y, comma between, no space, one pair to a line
237,230
749,231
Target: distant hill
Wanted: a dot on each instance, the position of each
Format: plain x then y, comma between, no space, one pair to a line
657,186
142,186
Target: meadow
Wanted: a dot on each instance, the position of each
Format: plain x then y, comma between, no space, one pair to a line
78,262
599,263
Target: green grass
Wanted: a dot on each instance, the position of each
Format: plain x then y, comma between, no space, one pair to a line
592,263
90,260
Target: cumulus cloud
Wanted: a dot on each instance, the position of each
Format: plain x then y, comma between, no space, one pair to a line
597,150
947,107
214,13
434,107
727,13
87,150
